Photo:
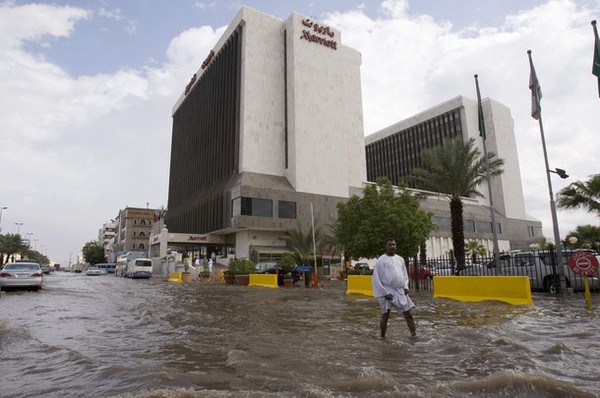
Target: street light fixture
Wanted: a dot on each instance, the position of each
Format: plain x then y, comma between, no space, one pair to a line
1,208
18,224
563,174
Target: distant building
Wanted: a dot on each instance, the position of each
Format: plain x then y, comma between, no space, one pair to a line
133,227
106,237
395,151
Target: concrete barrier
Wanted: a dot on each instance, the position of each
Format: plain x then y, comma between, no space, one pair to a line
175,277
360,284
509,289
264,280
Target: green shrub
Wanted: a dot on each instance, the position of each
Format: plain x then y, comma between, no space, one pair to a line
241,267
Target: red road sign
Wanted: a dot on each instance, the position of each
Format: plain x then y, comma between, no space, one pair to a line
583,263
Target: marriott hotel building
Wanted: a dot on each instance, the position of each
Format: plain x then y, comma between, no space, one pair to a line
268,133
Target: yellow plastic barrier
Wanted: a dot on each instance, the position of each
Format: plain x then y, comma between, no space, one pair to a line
264,280
360,284
509,289
175,277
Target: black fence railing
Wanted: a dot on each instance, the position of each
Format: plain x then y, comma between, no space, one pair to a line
541,267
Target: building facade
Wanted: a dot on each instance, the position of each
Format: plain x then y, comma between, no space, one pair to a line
133,228
267,133
394,152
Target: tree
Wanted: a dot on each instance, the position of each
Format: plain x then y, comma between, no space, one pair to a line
579,194
474,248
11,244
364,223
456,169
588,236
93,252
300,242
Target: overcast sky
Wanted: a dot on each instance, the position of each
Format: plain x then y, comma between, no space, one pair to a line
87,88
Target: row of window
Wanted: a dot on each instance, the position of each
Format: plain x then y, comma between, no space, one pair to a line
259,207
444,224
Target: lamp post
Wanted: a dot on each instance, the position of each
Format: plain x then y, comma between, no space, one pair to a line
1,208
18,224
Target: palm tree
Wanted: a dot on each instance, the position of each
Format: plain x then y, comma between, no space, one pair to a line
588,236
579,194
474,248
300,242
11,244
456,169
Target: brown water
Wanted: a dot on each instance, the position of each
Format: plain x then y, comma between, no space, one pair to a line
106,336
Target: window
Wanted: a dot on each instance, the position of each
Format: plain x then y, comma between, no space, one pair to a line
141,246
252,207
142,234
142,222
287,209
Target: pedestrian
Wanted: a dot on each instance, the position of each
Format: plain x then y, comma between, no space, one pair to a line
390,287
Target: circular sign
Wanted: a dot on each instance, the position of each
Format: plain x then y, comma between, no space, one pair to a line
583,264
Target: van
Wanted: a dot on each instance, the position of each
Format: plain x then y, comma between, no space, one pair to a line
108,267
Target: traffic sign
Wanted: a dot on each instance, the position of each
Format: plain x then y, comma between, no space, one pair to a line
583,263
304,268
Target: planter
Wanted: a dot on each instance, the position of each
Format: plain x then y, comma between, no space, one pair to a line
288,282
242,280
186,277
229,279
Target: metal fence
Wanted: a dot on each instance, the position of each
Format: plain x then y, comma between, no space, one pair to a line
541,267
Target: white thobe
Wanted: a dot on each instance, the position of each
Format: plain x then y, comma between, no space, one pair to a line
390,277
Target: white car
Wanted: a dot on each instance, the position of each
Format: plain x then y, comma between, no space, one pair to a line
21,274
94,271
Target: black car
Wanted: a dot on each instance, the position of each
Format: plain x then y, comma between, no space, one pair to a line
275,268
361,266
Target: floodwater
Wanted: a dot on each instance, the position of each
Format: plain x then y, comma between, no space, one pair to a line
106,336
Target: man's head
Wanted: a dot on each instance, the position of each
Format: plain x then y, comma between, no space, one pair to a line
390,246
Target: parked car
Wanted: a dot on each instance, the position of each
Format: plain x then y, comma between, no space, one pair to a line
361,266
422,272
273,267
27,275
543,275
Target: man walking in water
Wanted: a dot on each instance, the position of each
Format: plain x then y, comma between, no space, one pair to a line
390,287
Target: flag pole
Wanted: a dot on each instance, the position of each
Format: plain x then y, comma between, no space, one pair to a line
487,172
536,113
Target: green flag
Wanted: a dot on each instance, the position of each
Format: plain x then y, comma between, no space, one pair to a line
536,90
596,63
480,111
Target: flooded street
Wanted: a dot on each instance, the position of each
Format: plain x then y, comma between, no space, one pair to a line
106,336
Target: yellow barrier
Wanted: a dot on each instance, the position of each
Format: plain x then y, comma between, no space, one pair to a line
509,289
175,277
264,280
360,284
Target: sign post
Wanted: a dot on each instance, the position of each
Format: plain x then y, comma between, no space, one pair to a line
586,265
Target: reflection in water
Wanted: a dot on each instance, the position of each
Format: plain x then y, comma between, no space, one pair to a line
112,337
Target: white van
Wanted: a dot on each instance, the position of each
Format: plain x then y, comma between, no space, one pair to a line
139,268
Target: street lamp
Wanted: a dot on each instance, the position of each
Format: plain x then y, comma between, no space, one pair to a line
563,174
1,208
18,224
